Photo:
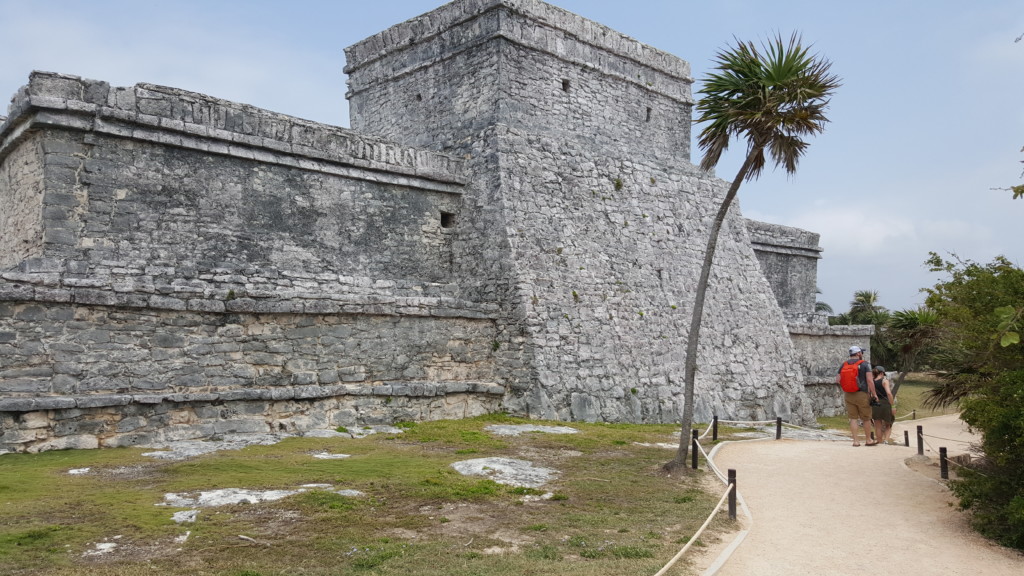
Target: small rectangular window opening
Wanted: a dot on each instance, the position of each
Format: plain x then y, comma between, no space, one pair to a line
447,220
565,85
648,119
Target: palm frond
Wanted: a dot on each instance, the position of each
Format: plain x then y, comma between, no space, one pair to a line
773,95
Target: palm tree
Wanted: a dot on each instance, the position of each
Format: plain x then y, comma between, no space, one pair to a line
913,331
821,307
773,96
864,307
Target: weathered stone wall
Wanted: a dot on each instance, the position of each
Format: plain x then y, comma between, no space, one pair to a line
523,64
789,259
587,132
821,349
107,422
190,250
196,267
125,375
21,198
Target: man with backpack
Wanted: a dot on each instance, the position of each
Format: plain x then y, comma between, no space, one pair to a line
854,380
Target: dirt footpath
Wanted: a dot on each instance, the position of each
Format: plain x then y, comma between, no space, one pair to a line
822,508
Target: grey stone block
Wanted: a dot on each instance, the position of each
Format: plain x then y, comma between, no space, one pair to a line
101,401
17,404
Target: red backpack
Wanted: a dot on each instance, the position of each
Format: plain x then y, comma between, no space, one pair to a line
848,376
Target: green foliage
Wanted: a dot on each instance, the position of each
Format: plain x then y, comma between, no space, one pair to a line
1009,320
979,309
994,488
773,95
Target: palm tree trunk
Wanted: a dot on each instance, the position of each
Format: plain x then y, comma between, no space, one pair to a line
690,364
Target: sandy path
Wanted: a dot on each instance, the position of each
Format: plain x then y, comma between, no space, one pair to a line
825,508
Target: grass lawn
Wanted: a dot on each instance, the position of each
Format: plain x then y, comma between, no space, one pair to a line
611,510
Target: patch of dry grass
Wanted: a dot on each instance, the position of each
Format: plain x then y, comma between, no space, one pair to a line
613,510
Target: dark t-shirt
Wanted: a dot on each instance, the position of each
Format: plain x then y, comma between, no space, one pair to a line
863,372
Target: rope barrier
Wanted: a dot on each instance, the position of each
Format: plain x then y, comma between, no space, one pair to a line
697,534
799,427
711,464
708,430
949,439
950,460
754,422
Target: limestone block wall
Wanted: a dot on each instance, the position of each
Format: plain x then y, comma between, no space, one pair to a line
525,64
86,376
188,252
789,259
576,142
609,265
513,224
170,178
21,219
821,349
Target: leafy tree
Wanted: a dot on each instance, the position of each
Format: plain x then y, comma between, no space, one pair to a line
967,348
773,96
993,488
979,310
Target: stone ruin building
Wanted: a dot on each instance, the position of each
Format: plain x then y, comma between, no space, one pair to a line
512,223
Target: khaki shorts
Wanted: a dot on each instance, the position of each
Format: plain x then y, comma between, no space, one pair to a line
858,405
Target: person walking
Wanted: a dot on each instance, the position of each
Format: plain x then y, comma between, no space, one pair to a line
858,392
881,408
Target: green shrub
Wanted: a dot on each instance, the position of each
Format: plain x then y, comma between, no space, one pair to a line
993,489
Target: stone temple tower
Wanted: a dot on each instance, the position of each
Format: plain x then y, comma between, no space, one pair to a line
512,223
585,218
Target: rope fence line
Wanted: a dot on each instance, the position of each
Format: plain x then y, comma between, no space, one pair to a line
697,534
948,439
711,464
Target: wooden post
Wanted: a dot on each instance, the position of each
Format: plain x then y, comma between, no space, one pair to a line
714,428
778,427
943,464
906,438
920,441
913,415
693,459
732,494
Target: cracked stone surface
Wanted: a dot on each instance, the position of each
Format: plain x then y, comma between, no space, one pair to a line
508,471
517,429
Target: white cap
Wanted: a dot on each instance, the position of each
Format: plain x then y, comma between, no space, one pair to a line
855,350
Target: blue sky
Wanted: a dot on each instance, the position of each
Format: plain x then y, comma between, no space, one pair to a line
928,120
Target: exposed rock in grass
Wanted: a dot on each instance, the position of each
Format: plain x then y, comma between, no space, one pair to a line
517,429
508,471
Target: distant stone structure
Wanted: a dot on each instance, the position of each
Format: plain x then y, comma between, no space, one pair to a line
512,223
